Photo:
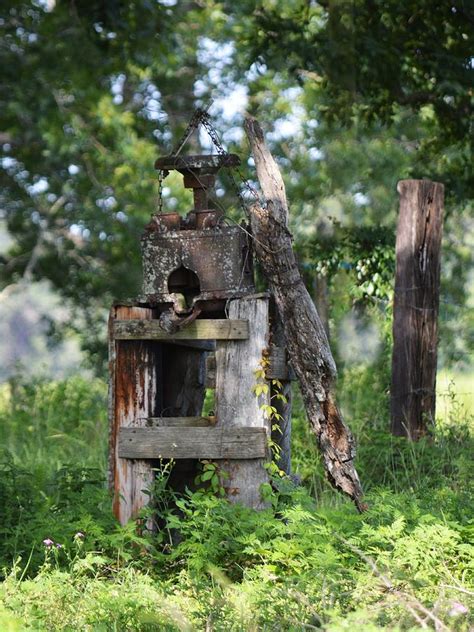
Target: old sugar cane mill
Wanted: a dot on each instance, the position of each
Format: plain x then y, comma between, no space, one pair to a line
197,324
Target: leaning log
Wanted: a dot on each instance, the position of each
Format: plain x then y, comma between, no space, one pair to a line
306,339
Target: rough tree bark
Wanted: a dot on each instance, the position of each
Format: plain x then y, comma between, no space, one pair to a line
415,309
306,339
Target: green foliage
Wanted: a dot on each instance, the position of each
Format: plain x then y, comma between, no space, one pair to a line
211,478
367,252
309,561
368,58
53,423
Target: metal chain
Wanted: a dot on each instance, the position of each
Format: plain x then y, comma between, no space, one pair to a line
159,202
196,119
193,124
213,135
201,117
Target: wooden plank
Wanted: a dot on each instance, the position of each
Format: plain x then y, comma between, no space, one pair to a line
201,329
135,395
192,443
416,303
236,403
181,422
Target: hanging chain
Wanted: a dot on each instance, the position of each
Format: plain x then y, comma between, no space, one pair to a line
159,201
193,124
197,118
213,135
201,117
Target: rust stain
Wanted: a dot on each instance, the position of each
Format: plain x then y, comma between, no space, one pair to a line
133,397
219,257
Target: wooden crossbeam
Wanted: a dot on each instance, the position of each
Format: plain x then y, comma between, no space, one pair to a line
201,329
192,443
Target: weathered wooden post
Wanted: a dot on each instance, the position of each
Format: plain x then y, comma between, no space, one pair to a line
198,297
415,310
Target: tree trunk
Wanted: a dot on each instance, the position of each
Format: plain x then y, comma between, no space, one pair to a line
306,339
415,311
321,300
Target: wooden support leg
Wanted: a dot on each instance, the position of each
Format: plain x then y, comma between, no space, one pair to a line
281,435
134,395
236,401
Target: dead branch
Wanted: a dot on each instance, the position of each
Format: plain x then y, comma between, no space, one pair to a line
306,339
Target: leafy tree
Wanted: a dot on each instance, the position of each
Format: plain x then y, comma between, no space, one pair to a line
101,82
360,94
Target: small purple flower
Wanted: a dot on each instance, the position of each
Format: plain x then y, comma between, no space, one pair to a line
458,609
48,543
79,536
59,546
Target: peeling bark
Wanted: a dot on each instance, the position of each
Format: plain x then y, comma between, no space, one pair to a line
306,339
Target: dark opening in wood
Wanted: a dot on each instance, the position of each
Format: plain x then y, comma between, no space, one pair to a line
186,282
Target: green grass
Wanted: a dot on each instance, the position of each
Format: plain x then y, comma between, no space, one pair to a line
455,389
310,562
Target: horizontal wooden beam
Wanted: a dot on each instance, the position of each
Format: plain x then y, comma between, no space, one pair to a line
192,443
180,422
201,329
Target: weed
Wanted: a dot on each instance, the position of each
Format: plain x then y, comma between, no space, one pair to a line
309,561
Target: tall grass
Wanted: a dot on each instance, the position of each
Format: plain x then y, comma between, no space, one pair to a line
46,425
309,562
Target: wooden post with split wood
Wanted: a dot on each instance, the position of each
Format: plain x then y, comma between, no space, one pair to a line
415,309
135,393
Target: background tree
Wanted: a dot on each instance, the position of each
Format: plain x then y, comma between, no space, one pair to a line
359,94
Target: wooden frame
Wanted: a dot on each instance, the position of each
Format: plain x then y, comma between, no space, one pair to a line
156,395
204,329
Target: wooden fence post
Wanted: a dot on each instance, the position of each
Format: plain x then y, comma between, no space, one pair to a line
416,302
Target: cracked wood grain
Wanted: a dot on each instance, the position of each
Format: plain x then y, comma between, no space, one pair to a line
306,340
415,311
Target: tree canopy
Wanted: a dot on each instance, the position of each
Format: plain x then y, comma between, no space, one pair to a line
358,94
